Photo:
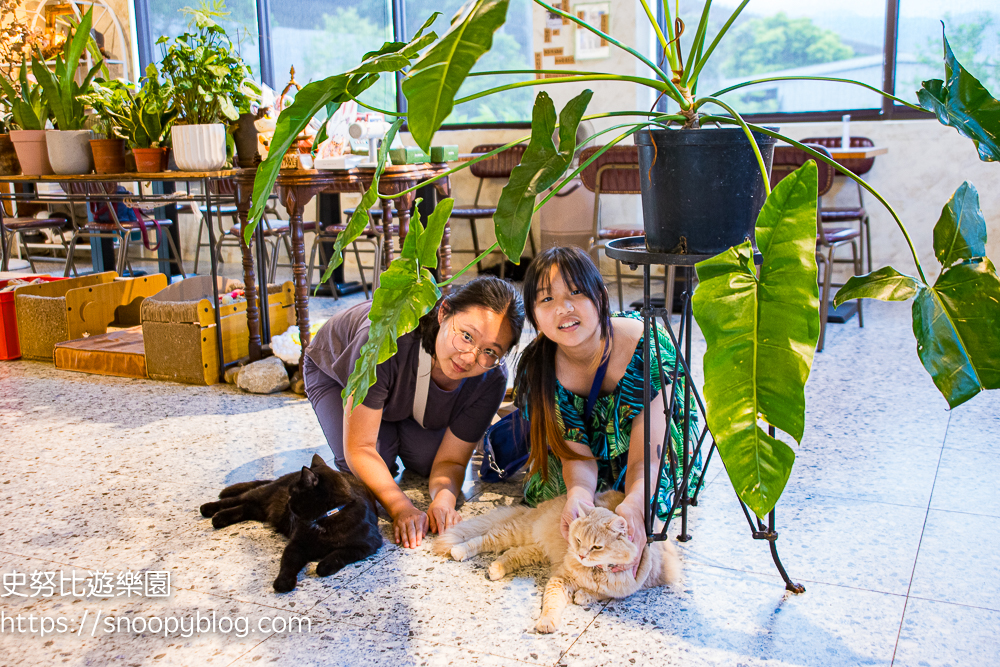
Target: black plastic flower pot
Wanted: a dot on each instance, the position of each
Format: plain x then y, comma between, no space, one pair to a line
701,189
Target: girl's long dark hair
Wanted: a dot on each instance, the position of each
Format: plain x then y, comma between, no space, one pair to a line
536,369
487,292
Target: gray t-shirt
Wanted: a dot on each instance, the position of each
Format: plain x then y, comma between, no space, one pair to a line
468,410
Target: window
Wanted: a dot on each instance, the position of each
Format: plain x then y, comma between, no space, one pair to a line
791,38
166,18
973,32
512,50
323,38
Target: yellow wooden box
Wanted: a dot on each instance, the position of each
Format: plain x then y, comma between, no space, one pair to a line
178,328
62,310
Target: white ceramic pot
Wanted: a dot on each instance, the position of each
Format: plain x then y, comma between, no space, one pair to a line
199,147
69,151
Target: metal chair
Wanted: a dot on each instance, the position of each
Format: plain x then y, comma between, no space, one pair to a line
498,166
371,235
786,160
122,230
225,207
615,172
12,228
842,214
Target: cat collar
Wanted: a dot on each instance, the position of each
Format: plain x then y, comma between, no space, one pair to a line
613,568
335,510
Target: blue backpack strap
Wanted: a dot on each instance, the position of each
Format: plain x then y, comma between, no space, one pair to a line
595,388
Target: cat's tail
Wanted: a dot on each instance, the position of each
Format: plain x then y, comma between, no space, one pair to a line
474,527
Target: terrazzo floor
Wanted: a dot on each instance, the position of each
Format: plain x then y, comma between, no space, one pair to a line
890,520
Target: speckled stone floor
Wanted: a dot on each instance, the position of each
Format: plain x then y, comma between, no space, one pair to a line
891,521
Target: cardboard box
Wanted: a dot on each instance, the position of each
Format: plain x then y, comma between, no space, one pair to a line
68,309
178,328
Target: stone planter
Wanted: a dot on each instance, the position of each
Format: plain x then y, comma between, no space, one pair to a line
109,155
69,151
199,147
32,151
245,138
9,166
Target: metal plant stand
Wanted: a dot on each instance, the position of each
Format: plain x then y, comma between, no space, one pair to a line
632,251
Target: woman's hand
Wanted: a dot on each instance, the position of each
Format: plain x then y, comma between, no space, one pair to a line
441,514
630,509
578,503
409,525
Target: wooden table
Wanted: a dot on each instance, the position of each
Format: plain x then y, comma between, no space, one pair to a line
857,152
296,188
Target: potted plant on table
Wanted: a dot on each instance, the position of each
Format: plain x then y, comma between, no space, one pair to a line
9,165
761,326
29,113
110,101
208,85
68,145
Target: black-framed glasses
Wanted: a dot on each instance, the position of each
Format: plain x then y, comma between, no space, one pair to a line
464,342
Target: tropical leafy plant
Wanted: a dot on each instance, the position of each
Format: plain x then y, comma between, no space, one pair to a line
29,109
63,94
204,75
775,310
109,100
138,117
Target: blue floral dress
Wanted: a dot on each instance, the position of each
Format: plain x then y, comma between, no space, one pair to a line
610,428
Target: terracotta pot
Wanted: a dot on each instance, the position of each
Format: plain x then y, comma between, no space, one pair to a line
109,155
69,151
165,160
9,166
199,147
32,152
148,160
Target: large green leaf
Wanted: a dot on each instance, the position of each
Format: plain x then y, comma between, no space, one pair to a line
541,166
406,293
435,78
963,103
957,321
327,94
960,232
762,334
359,219
886,284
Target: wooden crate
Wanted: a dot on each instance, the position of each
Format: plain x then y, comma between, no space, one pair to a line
178,328
68,309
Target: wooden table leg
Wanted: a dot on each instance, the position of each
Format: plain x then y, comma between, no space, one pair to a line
295,199
243,192
386,233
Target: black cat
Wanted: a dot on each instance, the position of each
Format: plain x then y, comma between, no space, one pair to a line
327,515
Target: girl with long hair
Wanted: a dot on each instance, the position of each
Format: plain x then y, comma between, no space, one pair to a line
572,452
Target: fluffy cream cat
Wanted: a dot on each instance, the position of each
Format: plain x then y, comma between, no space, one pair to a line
593,565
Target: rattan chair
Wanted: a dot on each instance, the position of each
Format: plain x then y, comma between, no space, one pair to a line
837,215
828,239
498,166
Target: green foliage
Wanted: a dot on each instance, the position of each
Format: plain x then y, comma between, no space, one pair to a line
779,42
761,333
541,166
435,78
406,293
963,103
206,79
971,46
110,100
29,109
327,94
956,320
59,87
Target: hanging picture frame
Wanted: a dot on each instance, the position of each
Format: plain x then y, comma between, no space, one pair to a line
589,46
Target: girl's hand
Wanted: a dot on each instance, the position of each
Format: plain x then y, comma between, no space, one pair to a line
441,515
577,504
409,525
631,511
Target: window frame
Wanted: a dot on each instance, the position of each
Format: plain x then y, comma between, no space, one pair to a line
889,110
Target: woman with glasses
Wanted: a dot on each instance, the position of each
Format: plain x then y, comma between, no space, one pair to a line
431,402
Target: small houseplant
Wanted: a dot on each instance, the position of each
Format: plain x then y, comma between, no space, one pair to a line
207,83
68,145
110,100
29,114
777,336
